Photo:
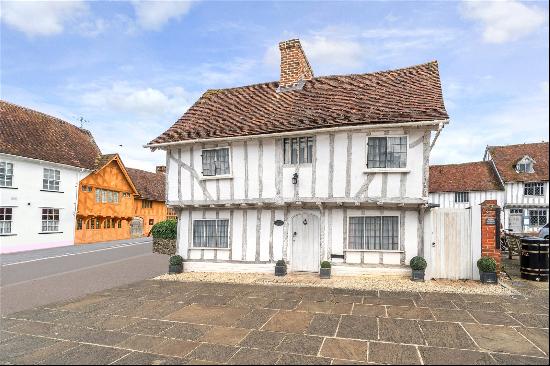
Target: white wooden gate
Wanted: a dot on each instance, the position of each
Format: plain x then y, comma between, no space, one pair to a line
451,253
305,243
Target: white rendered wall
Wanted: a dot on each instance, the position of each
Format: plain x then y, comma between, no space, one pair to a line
27,201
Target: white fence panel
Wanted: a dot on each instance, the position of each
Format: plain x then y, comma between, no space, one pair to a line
453,250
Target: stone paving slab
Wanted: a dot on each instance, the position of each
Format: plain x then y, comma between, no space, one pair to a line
155,322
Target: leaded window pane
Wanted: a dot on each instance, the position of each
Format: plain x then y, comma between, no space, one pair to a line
373,233
533,189
215,162
211,233
387,152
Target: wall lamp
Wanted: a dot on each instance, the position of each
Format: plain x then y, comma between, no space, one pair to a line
295,178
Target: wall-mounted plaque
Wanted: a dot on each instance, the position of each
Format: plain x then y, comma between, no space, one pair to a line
278,223
490,221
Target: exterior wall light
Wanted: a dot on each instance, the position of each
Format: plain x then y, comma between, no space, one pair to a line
295,178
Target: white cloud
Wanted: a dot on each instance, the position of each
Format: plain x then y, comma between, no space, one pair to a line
507,123
153,15
141,101
41,18
504,21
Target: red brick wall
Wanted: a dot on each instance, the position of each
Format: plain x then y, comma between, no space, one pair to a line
489,231
294,64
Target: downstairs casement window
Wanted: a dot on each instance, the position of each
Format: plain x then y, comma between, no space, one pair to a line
6,215
211,233
373,233
387,152
215,162
50,220
538,217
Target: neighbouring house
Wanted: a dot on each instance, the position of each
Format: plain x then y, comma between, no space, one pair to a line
523,170
106,203
464,185
305,169
516,176
42,160
150,206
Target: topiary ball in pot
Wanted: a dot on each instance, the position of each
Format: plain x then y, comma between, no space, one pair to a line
324,272
487,270
176,264
418,266
280,268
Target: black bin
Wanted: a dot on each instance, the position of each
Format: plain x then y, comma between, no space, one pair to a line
534,259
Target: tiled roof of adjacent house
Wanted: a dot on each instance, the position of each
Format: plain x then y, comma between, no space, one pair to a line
149,185
405,95
478,176
31,134
506,157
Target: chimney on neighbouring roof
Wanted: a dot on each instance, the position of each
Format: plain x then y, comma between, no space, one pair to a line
161,169
295,67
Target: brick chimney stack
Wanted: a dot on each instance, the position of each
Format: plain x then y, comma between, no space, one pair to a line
294,64
161,169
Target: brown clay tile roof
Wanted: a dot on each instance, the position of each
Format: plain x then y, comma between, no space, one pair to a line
28,133
103,160
506,157
149,185
405,95
478,176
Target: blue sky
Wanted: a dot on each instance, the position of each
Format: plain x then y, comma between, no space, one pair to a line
132,68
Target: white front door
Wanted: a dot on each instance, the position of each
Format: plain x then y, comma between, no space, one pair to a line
305,243
516,223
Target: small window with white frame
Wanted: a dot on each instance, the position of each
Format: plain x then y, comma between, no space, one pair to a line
211,233
298,150
6,174
216,162
50,220
387,152
533,189
462,197
538,217
51,179
373,233
6,217
525,165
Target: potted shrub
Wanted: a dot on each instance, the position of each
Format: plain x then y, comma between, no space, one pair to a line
324,272
418,266
164,237
487,270
176,264
280,268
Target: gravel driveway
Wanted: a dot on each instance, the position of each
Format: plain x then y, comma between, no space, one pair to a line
161,322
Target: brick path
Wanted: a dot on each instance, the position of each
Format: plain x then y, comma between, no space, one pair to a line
154,322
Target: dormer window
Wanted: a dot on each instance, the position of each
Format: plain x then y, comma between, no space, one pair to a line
525,165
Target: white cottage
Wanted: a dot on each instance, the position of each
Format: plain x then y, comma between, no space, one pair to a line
42,160
516,176
305,169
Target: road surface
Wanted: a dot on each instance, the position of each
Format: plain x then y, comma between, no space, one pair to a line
40,277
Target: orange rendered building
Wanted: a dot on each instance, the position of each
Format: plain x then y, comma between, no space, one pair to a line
115,202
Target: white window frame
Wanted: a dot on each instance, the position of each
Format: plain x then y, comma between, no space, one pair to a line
193,246
4,179
6,226
306,137
347,248
462,197
533,186
47,182
526,161
219,176
52,225
394,170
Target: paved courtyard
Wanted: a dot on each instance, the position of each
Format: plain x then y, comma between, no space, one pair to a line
161,322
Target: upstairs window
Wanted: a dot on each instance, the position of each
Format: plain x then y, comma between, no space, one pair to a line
533,189
215,162
211,233
387,152
105,196
298,150
50,181
146,204
5,220
525,165
86,188
462,197
6,174
373,233
50,219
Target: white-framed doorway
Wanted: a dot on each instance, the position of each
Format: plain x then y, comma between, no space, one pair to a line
304,232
